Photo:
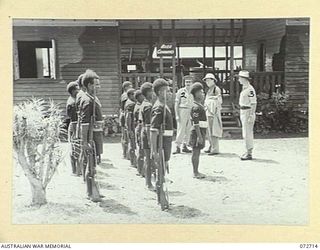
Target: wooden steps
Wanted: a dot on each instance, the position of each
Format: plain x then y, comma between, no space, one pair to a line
230,123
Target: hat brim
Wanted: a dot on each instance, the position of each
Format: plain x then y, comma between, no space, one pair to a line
205,78
237,75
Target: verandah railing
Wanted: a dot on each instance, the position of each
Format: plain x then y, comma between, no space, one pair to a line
263,82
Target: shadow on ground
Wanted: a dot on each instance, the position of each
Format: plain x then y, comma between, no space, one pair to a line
215,178
184,212
265,161
106,165
227,155
104,185
176,193
112,206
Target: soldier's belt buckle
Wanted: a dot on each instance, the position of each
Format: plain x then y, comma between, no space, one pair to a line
203,124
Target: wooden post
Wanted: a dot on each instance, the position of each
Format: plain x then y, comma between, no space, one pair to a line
244,33
150,61
173,57
213,48
204,48
232,87
160,43
227,52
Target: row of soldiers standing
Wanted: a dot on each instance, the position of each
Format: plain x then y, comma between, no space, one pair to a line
147,125
85,129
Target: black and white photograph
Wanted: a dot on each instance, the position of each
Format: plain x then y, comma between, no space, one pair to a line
161,121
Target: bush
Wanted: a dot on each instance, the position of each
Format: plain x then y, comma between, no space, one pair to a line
36,129
276,114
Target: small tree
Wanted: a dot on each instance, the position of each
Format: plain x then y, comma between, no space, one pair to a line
36,130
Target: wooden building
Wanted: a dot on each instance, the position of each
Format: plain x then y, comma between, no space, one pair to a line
50,53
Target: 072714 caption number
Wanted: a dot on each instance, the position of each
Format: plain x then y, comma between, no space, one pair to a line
308,245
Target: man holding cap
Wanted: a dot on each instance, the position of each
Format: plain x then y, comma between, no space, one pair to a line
213,106
183,104
248,105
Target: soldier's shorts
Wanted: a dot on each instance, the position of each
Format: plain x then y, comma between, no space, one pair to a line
122,119
138,136
132,142
193,141
98,139
144,139
167,145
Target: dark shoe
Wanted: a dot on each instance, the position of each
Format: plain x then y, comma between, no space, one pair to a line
186,150
246,157
213,153
208,150
178,151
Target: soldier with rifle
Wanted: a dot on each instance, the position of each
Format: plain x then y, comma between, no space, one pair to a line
129,125
73,89
124,97
161,139
77,142
91,131
145,118
138,127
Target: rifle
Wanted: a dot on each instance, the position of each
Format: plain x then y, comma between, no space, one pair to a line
162,191
92,185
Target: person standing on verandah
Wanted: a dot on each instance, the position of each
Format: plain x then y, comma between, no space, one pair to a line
213,106
248,105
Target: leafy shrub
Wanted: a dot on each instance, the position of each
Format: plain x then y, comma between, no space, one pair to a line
276,114
36,143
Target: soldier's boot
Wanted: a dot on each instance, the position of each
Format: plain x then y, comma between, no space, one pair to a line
208,150
178,151
185,149
247,156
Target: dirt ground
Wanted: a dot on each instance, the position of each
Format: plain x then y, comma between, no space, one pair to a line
271,189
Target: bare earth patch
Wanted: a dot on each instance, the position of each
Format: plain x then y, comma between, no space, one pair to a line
233,192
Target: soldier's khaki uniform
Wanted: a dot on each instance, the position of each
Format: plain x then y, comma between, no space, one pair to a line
156,123
138,129
213,106
86,112
75,151
247,98
185,101
128,110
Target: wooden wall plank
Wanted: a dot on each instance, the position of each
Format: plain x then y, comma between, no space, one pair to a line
78,48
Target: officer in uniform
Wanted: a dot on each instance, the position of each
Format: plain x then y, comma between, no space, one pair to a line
138,127
160,88
199,127
124,97
248,105
213,106
183,104
73,89
91,82
145,118
129,126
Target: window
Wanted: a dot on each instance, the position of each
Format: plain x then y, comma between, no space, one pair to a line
36,59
